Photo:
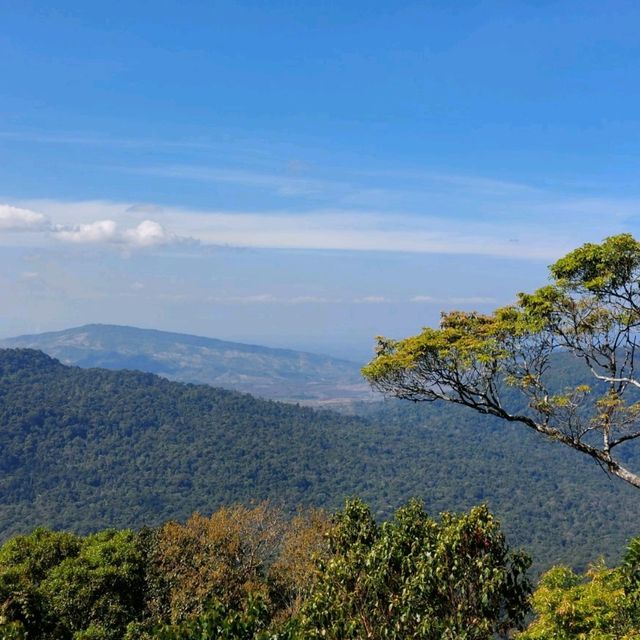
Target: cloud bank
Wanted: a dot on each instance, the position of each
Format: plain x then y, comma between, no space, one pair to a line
456,215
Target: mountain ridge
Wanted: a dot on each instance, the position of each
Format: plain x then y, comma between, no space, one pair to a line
276,373
176,334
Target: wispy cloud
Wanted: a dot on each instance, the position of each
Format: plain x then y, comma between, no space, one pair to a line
272,299
464,300
257,298
90,139
280,183
268,298
372,300
311,300
427,299
478,184
437,213
473,300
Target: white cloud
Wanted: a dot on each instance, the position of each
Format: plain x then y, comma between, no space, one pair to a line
146,234
101,231
18,219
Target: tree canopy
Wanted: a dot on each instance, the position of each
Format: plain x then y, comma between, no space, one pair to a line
86,449
415,577
502,363
602,605
254,574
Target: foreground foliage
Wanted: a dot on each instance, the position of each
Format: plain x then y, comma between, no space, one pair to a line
56,585
249,573
602,605
414,577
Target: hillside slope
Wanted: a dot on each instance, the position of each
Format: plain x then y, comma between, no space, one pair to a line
271,373
90,448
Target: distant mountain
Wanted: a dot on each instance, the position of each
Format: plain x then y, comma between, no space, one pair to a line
85,449
281,374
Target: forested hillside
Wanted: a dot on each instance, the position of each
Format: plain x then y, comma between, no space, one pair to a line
85,449
282,374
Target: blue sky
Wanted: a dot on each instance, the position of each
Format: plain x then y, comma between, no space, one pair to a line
306,174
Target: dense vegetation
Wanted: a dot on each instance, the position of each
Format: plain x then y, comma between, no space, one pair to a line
604,604
88,449
249,573
254,573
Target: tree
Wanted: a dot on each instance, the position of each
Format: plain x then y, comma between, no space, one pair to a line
58,586
295,571
602,605
503,363
25,562
94,595
414,577
223,558
221,622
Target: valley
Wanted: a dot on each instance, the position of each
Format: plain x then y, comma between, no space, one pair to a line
82,449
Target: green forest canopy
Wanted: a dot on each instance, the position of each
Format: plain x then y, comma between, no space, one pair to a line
87,449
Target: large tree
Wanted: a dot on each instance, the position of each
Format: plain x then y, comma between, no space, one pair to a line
503,363
415,577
